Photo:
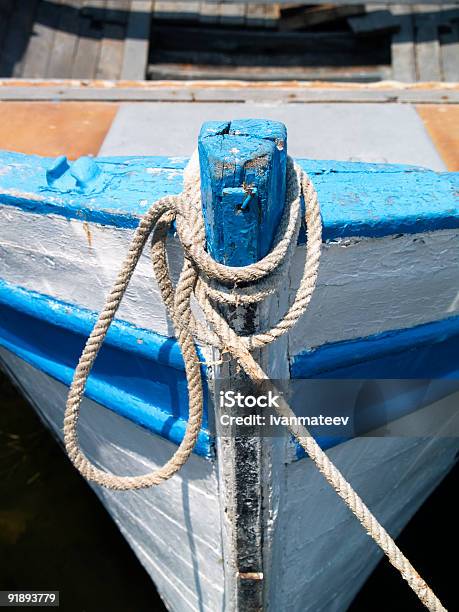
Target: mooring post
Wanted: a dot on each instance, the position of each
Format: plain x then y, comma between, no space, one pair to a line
243,181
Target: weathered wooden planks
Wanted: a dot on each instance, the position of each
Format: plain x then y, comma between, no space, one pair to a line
258,14
112,44
137,43
40,47
230,91
426,47
402,46
450,52
64,38
428,61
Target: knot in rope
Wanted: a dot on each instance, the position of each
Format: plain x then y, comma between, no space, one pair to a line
213,285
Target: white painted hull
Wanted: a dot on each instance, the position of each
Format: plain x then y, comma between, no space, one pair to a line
320,556
246,525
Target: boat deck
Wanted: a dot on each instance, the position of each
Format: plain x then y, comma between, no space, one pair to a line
138,39
420,134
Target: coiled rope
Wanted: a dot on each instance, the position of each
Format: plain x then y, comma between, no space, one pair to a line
213,284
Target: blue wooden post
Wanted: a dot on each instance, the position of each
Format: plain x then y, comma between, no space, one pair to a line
243,165
243,179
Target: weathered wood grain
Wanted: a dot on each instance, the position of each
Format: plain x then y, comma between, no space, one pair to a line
40,47
137,42
209,12
402,45
233,14
450,52
87,49
113,11
230,91
117,11
182,10
111,52
177,69
243,166
428,64
65,40
112,43
254,153
262,15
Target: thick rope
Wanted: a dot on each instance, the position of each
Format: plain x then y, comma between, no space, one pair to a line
212,285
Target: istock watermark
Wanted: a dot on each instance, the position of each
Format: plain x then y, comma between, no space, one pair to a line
230,399
339,408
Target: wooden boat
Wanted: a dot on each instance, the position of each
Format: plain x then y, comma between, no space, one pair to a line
248,523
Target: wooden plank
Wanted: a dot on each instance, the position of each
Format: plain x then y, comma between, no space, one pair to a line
65,40
87,49
262,15
117,11
233,13
373,22
450,53
180,9
182,70
17,38
112,45
209,12
114,11
315,15
111,52
428,66
402,46
47,128
39,50
442,123
137,43
230,91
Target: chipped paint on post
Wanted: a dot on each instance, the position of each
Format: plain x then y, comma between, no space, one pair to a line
243,168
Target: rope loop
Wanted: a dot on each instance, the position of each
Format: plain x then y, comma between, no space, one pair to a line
212,285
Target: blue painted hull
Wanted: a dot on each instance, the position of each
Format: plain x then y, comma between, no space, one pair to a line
140,375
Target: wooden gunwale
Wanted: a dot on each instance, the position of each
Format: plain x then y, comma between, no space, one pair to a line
229,91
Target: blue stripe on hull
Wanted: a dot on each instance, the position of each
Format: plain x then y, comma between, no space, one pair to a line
138,374
425,351
429,351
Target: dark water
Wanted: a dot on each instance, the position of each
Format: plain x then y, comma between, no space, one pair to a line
55,534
